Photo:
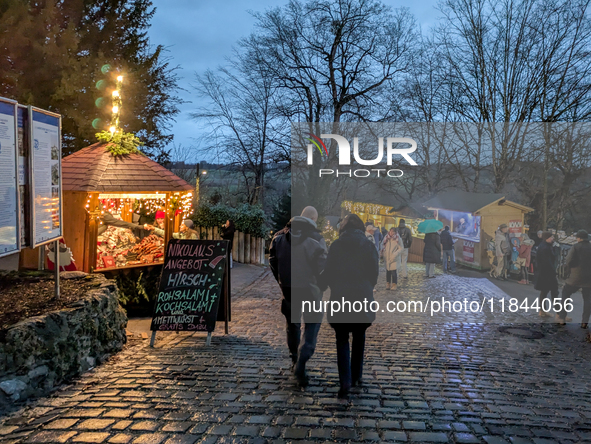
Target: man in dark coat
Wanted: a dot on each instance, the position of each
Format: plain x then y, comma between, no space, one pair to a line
351,272
578,263
406,236
431,253
546,281
447,244
300,244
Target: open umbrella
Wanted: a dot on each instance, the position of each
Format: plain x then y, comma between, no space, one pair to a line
430,226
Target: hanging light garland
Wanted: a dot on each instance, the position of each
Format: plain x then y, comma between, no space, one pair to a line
117,103
361,207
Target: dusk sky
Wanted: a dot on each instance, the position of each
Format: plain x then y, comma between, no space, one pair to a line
200,35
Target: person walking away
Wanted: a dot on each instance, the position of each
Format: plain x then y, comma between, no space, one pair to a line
392,249
578,263
546,281
447,244
301,241
406,236
431,253
502,248
228,230
351,272
524,259
377,235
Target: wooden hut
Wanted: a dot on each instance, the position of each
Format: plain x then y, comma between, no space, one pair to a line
473,219
94,181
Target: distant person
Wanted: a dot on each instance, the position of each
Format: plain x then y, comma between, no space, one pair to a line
447,245
431,253
302,241
377,235
462,226
524,259
578,265
546,278
186,230
228,230
406,236
369,229
538,238
392,249
351,272
384,233
502,249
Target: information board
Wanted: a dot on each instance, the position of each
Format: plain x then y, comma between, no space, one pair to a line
23,172
9,195
45,177
193,277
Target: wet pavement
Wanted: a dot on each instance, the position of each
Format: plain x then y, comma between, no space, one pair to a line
423,382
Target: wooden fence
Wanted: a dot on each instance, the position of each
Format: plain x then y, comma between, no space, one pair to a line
246,249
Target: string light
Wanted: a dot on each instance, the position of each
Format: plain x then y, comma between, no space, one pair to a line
115,119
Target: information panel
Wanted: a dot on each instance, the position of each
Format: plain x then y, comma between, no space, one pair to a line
9,207
45,176
191,285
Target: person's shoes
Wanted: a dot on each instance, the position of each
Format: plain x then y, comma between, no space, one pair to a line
453,271
522,281
387,285
544,314
358,383
393,287
302,379
343,394
584,325
293,366
432,276
562,320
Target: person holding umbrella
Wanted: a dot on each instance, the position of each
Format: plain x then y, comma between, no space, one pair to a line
432,251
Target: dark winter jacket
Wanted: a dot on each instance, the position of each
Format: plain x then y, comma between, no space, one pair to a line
432,251
406,235
578,262
228,234
447,242
302,244
351,272
545,269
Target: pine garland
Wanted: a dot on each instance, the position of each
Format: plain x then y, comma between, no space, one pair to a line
120,143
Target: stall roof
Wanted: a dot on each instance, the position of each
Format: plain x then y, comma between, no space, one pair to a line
94,169
467,202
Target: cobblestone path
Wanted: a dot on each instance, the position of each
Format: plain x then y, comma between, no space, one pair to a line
466,383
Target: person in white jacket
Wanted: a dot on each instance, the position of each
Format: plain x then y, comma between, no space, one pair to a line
392,247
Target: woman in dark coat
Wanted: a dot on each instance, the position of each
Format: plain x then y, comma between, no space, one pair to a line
546,281
431,253
228,234
351,272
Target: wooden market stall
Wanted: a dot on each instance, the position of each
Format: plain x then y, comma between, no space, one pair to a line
96,182
473,219
388,216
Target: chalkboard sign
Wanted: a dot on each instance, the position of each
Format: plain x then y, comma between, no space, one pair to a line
193,275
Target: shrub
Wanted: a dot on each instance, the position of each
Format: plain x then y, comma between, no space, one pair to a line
249,219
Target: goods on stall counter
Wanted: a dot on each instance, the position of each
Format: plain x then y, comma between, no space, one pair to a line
119,247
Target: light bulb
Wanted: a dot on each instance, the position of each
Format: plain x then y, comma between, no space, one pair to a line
115,109
112,129
115,93
120,78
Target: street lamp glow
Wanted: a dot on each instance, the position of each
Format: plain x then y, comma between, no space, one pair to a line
204,172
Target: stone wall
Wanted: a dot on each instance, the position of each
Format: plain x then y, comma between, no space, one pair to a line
39,353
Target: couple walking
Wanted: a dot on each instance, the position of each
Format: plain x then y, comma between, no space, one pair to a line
304,269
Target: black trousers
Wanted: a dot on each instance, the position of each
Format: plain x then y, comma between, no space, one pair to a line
391,277
350,362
